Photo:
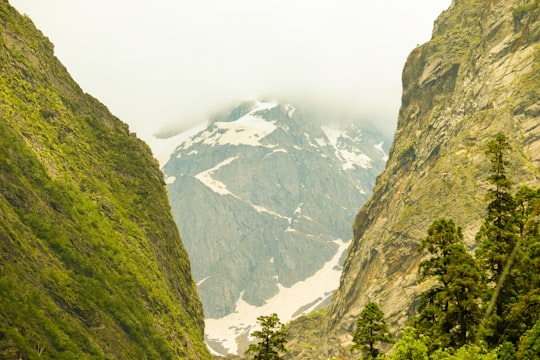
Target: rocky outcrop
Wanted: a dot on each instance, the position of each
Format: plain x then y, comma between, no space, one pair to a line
479,75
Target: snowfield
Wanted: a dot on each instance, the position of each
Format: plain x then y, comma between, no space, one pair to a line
287,304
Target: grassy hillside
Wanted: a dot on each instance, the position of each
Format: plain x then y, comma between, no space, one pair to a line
91,263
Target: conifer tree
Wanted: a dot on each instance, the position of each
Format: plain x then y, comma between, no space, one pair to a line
371,328
497,235
499,241
272,339
449,310
524,308
509,249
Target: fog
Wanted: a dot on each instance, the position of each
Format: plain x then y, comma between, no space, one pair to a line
169,64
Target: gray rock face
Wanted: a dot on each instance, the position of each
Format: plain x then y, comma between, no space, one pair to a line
262,195
478,76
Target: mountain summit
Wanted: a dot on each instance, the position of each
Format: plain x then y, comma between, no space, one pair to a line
264,197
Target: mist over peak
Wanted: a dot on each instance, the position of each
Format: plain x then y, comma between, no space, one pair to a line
192,59
316,110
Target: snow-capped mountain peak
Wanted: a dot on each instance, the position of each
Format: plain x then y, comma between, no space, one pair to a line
248,129
251,194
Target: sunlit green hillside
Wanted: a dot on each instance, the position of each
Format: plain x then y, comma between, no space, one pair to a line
91,262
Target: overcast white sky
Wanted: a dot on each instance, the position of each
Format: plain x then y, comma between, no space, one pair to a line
163,63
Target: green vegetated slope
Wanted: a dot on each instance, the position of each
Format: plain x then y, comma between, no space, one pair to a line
478,76
91,262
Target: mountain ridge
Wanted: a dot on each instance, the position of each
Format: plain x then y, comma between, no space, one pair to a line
91,262
476,77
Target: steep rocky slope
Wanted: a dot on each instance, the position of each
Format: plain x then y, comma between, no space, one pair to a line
264,197
91,262
479,75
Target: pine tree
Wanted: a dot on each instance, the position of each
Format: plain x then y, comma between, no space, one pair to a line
524,309
497,235
506,240
371,328
449,310
272,339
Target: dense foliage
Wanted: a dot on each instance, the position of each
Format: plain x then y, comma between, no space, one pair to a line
460,315
271,339
91,263
449,310
371,330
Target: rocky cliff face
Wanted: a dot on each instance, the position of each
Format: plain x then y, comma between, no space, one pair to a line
479,75
91,262
264,198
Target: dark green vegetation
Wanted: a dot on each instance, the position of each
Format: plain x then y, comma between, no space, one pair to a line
271,339
449,309
371,330
91,263
486,306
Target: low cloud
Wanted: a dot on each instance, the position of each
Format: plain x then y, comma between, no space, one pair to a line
170,64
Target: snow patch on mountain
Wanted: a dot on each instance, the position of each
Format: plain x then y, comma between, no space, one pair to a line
248,130
203,280
289,303
169,179
379,147
276,151
332,134
350,155
163,148
353,158
262,209
215,185
321,141
290,110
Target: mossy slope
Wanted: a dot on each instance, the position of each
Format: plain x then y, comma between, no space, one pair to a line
91,262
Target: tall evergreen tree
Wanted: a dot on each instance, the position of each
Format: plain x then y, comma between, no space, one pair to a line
497,235
503,242
371,328
272,339
449,310
524,308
